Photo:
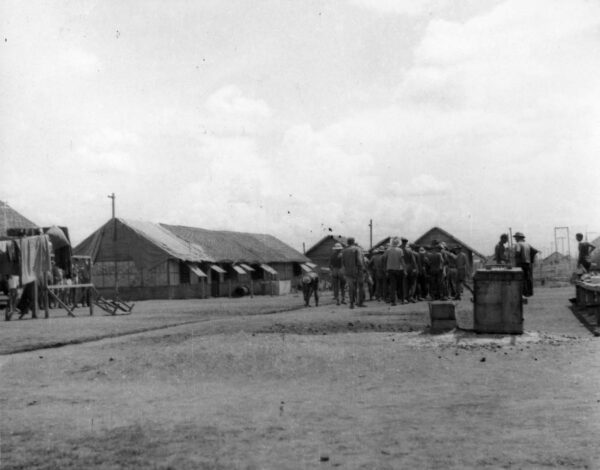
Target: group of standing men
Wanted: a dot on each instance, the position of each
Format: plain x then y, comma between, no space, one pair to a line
521,255
399,272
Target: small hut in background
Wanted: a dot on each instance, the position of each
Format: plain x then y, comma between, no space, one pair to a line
437,234
440,235
320,252
10,218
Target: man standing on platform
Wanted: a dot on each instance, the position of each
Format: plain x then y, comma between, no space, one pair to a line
585,249
524,258
353,267
500,254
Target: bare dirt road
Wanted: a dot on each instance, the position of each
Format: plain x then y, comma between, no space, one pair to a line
230,384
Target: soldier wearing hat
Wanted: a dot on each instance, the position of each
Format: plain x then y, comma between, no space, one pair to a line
394,266
423,276
524,259
353,267
462,270
411,271
378,270
337,278
436,272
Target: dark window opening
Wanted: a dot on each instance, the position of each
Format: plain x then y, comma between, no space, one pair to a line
184,273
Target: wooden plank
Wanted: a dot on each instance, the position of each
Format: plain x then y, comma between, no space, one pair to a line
62,304
69,286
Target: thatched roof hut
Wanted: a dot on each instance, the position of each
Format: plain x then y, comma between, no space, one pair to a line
10,218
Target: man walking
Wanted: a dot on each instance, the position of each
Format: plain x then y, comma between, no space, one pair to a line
353,266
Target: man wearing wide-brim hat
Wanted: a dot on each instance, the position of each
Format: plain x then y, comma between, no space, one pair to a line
337,278
524,258
353,267
394,268
378,270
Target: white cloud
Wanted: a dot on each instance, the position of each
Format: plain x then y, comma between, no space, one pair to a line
423,185
230,100
228,111
403,7
493,114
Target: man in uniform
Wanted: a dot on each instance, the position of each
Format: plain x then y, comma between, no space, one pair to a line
462,270
423,277
337,277
353,267
524,258
378,273
436,271
394,266
411,271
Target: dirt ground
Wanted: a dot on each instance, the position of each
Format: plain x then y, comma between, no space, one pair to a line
228,384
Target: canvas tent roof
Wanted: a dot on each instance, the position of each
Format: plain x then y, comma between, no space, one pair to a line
238,247
145,243
148,244
10,218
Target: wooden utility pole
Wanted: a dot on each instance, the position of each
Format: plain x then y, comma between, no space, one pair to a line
114,221
371,234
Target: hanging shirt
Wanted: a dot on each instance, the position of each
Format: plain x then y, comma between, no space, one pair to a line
35,258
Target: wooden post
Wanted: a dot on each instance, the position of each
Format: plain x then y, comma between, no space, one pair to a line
45,298
229,287
34,309
90,297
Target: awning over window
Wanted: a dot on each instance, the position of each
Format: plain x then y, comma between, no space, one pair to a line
268,268
196,269
311,265
238,269
246,267
218,269
306,268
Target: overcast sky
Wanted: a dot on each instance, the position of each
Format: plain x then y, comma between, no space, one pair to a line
304,118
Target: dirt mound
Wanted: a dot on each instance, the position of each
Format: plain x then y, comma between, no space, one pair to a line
333,327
